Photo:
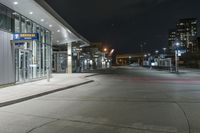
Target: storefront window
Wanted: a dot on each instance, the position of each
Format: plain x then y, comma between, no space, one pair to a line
34,28
2,17
28,26
9,18
42,32
17,23
23,25
48,37
6,18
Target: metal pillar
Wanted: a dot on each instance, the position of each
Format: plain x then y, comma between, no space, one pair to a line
176,60
69,58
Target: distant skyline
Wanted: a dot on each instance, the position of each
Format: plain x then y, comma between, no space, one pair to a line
126,24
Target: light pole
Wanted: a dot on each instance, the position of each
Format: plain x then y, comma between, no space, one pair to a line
156,52
176,56
145,60
164,49
129,59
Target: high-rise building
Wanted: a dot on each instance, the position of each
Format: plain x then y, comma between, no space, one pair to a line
187,33
171,38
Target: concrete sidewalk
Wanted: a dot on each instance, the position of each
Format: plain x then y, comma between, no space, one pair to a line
58,82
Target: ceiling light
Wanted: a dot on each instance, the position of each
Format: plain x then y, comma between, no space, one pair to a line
15,3
42,20
58,30
50,25
14,13
58,41
68,30
30,12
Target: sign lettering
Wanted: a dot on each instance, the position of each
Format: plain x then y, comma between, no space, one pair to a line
25,36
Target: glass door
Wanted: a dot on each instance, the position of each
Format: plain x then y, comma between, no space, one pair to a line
23,63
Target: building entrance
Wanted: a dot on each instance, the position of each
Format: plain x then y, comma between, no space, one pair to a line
23,65
59,62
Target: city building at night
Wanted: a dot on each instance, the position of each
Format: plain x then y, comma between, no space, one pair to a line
171,38
28,30
187,33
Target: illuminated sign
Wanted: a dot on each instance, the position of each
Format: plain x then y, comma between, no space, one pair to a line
25,36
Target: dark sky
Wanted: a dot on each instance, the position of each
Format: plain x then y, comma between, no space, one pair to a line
125,24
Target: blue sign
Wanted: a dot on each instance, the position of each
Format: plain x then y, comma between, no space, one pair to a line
26,36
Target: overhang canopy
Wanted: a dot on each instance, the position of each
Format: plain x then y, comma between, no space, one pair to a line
40,12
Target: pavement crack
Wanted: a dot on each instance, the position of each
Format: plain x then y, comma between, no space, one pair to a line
37,127
123,126
180,107
186,117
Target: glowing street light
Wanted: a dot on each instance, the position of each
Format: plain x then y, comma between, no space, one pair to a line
176,55
164,49
156,51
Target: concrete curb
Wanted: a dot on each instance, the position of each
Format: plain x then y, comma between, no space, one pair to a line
92,75
3,104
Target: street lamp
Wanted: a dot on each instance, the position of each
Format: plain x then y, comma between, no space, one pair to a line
176,56
156,51
164,49
105,49
129,59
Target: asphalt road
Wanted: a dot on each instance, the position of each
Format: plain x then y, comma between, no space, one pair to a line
121,100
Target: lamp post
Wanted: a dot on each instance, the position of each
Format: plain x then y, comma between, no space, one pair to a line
176,56
129,60
156,52
164,50
145,60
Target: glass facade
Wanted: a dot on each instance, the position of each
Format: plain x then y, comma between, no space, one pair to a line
5,18
32,58
59,62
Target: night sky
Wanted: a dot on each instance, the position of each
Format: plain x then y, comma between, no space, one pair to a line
126,24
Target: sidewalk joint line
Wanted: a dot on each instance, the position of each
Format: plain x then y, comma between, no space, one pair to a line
3,104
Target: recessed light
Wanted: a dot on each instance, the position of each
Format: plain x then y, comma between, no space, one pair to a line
42,20
15,3
50,25
14,13
58,30
68,30
30,12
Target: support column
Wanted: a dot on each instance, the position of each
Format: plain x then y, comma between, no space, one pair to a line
69,58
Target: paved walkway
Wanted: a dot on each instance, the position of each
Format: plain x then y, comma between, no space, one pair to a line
58,82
